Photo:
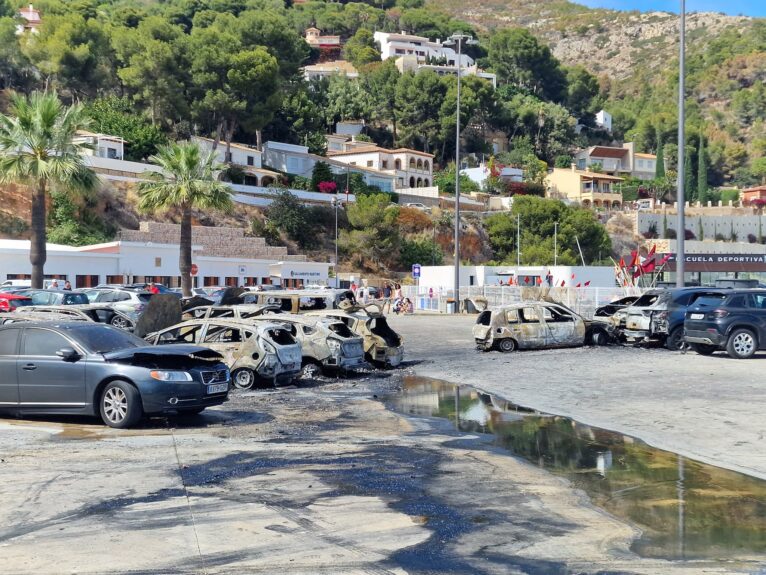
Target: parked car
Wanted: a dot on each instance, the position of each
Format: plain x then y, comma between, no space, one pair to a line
296,301
613,307
82,368
130,303
327,345
734,321
98,313
55,297
382,345
10,301
537,325
262,351
418,206
236,312
658,315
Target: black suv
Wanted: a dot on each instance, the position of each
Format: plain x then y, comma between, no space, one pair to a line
734,321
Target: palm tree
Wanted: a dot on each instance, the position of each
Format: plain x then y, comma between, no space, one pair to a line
37,149
189,181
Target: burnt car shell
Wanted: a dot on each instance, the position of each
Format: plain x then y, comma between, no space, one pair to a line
537,325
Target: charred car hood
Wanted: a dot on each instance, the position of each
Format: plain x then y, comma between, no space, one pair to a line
176,353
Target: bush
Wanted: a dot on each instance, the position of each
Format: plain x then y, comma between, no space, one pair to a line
751,238
689,235
720,238
420,251
414,221
670,234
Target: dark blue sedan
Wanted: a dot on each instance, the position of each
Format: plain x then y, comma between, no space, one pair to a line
81,368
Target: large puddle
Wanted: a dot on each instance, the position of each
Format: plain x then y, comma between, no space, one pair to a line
685,509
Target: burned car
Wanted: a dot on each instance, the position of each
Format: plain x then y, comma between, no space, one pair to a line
83,368
298,301
237,312
613,307
537,325
328,345
255,352
382,345
658,315
98,313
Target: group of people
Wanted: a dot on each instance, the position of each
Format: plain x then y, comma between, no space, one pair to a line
67,285
390,296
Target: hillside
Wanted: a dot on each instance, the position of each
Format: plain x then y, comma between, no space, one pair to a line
606,42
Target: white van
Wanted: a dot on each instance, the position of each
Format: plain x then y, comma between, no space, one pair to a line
17,283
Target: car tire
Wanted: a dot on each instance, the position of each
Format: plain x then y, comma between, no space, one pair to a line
243,378
311,369
120,405
507,345
598,337
120,322
704,348
675,341
741,344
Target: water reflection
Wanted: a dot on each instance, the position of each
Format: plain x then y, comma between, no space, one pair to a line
686,509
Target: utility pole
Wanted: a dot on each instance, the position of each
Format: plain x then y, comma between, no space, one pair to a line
681,232
555,243
518,241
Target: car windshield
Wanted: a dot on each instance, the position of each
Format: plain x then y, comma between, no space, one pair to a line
649,299
14,303
104,338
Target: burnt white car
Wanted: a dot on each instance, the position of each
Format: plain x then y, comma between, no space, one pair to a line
254,351
537,325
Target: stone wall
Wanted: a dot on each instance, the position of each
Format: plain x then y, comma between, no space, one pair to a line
215,241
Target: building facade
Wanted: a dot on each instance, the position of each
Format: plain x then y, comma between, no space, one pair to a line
589,189
102,145
412,64
411,168
624,161
246,157
422,49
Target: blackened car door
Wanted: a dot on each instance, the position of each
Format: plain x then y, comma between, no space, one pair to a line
45,379
9,383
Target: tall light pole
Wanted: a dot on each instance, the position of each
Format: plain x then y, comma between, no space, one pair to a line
457,39
681,232
335,209
555,244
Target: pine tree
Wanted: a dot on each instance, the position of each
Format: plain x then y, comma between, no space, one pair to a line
702,186
660,169
690,184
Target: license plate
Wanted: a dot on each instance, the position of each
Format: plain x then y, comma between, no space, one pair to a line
218,388
698,316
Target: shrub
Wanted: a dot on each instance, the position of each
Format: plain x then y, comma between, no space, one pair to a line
670,234
752,239
328,187
689,235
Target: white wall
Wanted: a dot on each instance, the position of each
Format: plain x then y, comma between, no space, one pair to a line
442,277
743,225
239,155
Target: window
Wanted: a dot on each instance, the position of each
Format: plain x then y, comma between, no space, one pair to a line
369,163
187,334
121,296
9,339
412,163
529,315
384,164
420,164
158,262
75,299
512,316
111,153
426,165
737,301
398,164
640,163
221,334
43,342
85,281
250,161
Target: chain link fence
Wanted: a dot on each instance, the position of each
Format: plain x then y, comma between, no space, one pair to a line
584,301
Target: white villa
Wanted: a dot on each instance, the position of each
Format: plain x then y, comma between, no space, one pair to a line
423,49
411,168
244,156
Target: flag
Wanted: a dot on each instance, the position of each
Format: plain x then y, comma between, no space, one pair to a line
563,283
578,285
651,251
587,283
622,263
572,276
526,279
634,259
539,281
665,259
648,266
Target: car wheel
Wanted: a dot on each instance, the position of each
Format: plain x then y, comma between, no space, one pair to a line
599,337
311,370
507,345
675,341
120,322
243,378
120,405
703,348
741,344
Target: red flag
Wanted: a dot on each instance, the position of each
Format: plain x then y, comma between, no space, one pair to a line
587,283
634,259
648,267
665,259
563,283
622,263
526,279
572,276
578,285
539,281
651,251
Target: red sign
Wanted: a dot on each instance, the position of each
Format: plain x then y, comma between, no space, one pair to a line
194,269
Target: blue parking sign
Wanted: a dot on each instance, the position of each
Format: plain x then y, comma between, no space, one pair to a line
416,271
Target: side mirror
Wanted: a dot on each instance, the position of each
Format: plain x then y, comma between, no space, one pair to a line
68,354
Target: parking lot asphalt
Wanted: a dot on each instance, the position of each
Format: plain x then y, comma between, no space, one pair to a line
322,478
707,408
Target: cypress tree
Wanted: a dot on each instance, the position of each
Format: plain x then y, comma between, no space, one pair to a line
702,187
690,185
660,169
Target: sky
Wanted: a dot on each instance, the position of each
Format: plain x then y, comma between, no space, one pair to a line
733,7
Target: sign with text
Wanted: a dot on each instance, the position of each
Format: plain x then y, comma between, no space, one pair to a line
721,262
416,271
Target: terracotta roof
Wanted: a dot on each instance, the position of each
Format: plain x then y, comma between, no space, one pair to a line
597,176
373,149
605,152
761,188
650,156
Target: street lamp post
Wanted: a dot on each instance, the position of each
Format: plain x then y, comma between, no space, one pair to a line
335,209
681,232
457,39
555,244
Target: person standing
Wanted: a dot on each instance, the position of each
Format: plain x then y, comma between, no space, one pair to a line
387,292
67,286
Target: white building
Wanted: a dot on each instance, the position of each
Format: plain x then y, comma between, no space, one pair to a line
103,145
480,174
297,160
615,161
604,120
411,168
412,64
423,49
31,19
130,261
246,157
329,69
442,278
